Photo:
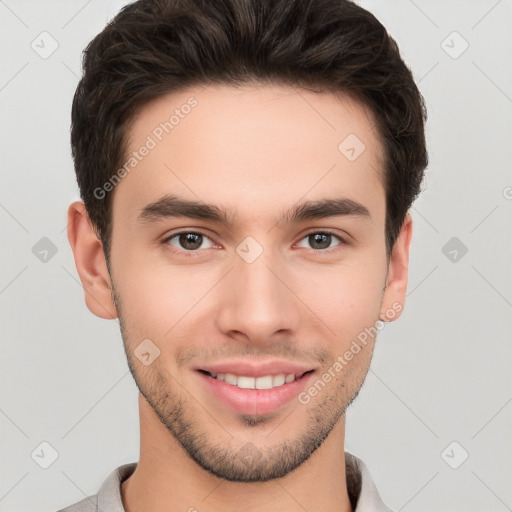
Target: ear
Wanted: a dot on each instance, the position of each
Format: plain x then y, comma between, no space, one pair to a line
396,282
90,262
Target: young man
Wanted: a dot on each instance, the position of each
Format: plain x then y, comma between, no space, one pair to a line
246,169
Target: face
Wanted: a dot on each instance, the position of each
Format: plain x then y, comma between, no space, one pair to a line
248,250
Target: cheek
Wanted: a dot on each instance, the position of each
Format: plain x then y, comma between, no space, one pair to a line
347,299
161,300
158,299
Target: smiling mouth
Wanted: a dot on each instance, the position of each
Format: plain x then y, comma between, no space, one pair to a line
263,382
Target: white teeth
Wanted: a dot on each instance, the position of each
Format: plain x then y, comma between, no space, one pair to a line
245,382
278,380
231,379
265,382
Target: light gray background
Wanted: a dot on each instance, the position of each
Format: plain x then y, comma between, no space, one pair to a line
442,373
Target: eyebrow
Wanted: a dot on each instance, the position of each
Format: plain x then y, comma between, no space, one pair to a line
170,206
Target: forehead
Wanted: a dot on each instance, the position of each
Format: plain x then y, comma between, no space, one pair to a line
250,145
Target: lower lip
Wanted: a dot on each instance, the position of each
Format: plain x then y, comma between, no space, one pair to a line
255,401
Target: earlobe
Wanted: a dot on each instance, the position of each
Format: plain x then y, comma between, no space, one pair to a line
90,262
396,283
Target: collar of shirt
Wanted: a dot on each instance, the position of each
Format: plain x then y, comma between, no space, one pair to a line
363,494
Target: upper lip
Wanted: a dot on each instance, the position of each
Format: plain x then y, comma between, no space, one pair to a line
257,369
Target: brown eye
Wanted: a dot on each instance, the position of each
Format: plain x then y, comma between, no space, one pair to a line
188,241
321,240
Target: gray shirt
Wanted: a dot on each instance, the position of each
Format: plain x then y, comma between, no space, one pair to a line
361,489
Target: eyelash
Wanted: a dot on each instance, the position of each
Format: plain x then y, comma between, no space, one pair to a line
197,252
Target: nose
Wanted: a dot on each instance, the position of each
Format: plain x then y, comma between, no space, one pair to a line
258,302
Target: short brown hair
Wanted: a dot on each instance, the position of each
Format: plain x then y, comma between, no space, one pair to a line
154,47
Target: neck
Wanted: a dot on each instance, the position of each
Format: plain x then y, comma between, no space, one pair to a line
167,479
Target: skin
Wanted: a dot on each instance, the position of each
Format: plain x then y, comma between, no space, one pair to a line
255,151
